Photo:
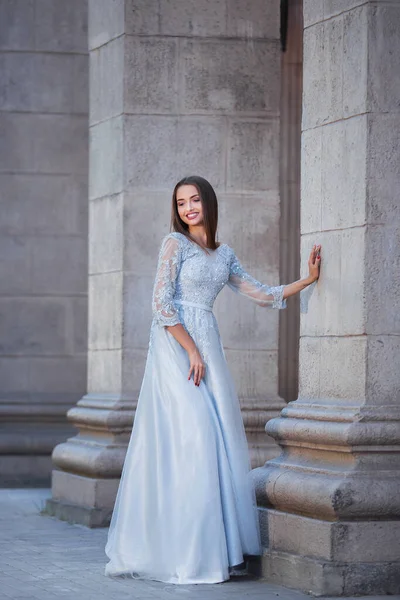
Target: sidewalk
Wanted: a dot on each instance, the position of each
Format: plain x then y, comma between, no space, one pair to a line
45,559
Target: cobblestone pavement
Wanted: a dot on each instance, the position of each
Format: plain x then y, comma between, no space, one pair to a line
45,559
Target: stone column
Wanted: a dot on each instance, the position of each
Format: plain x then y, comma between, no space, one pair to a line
175,89
43,230
331,500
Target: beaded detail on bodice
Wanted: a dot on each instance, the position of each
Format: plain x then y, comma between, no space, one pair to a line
187,273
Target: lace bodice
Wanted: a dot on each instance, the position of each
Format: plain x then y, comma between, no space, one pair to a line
187,273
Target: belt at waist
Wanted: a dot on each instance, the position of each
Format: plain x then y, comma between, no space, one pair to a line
193,304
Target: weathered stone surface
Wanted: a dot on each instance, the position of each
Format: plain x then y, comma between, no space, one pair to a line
146,222
384,173
26,197
152,86
45,143
313,12
106,21
193,18
254,371
31,326
252,155
311,180
61,26
383,378
105,234
355,61
46,82
253,19
16,18
14,267
105,301
332,306
106,84
133,365
106,157
230,76
344,148
104,371
188,146
336,7
98,493
48,254
58,375
138,293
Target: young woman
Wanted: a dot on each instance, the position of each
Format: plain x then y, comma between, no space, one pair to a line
185,510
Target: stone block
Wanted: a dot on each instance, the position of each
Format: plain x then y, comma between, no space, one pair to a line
33,326
106,234
253,19
104,371
193,18
106,21
355,67
49,83
201,149
383,283
146,222
16,18
137,312
384,52
249,223
333,8
253,155
300,535
245,325
61,26
333,306
383,168
311,180
133,365
66,375
15,272
343,368
25,471
383,374
106,158
84,491
230,76
322,73
44,143
309,367
78,333
344,173
25,198
255,373
313,12
152,84
143,17
168,139
50,254
105,311
14,375
107,81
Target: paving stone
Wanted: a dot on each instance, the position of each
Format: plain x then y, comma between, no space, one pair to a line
45,559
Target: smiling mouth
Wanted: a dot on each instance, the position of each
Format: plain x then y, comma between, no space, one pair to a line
192,215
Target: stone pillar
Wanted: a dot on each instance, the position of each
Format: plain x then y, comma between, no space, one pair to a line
175,89
43,229
330,502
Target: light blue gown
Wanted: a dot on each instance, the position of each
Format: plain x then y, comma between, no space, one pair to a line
185,510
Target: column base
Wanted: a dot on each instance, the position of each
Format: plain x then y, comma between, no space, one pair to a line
84,500
340,558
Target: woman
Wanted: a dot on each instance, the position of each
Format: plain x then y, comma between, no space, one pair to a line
185,510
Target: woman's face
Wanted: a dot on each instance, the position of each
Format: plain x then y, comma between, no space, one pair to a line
189,205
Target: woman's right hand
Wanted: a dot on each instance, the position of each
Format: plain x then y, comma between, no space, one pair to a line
197,367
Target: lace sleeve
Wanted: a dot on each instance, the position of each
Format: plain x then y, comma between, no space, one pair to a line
164,311
243,283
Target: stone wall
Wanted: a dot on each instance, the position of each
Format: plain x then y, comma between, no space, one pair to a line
43,228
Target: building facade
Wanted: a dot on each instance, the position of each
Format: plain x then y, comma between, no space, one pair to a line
224,90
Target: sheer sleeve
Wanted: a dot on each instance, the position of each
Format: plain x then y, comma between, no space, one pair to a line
164,311
243,283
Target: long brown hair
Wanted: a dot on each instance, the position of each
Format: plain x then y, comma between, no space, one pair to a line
210,210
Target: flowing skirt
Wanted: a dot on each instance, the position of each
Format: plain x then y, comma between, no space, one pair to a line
185,510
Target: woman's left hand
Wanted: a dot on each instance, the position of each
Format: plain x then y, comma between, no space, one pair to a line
314,262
